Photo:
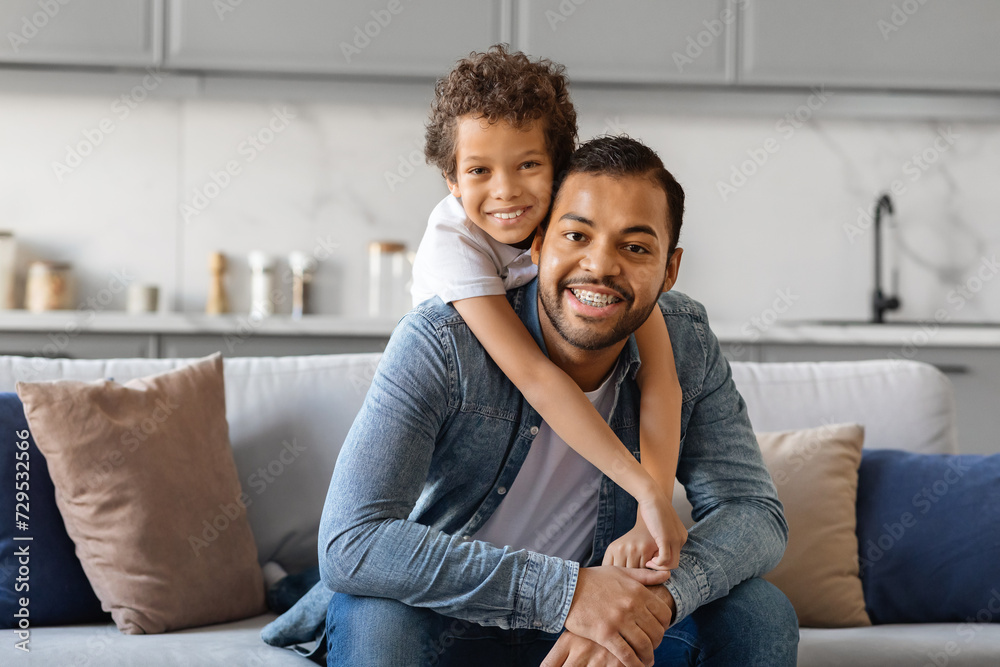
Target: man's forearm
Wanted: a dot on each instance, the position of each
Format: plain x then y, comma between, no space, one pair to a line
735,543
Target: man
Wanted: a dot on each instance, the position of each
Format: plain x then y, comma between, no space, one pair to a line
445,454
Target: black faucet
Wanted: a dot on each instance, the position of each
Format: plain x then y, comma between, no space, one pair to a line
880,301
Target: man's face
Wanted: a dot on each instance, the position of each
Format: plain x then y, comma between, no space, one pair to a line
603,261
504,177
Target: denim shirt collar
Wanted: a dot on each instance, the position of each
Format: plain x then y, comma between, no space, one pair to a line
525,303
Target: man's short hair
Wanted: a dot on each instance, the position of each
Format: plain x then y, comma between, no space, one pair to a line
620,156
502,86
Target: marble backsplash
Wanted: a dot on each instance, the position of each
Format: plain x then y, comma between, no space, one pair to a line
777,222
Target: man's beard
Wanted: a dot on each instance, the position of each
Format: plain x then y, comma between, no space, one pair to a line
583,337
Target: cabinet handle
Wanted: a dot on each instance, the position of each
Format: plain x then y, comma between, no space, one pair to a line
952,369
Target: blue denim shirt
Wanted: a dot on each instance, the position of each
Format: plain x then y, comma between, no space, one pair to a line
442,434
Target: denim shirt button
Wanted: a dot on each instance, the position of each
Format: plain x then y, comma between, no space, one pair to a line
502,490
534,430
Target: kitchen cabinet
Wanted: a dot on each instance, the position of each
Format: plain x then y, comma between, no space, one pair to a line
974,374
125,33
60,345
633,41
898,44
390,37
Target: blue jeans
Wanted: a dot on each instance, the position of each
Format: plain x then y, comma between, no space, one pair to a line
753,625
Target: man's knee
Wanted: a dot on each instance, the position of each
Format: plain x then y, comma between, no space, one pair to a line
755,622
767,608
377,631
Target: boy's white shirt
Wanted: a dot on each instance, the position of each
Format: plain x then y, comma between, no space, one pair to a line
457,260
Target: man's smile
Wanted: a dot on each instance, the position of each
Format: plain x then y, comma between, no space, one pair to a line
595,299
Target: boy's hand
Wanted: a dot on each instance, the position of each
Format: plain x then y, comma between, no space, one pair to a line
633,549
665,528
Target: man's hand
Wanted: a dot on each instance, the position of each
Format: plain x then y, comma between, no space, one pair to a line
613,607
575,651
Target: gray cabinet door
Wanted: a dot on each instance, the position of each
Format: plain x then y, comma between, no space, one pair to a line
85,32
872,43
635,41
393,37
60,345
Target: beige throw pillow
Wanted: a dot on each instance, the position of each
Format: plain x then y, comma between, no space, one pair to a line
816,474
148,489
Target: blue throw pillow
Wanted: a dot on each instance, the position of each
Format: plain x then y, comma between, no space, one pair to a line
929,537
52,579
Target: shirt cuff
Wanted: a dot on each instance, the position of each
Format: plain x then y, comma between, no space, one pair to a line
689,586
546,593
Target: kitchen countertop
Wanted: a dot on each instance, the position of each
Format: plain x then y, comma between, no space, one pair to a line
920,334
119,322
923,334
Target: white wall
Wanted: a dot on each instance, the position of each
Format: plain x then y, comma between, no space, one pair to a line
321,186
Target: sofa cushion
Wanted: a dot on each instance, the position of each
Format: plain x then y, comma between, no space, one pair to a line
147,487
929,538
816,474
56,587
902,404
915,645
235,644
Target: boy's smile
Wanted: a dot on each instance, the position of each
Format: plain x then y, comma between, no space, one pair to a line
503,176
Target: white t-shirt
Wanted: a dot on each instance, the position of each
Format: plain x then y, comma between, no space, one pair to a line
551,508
457,260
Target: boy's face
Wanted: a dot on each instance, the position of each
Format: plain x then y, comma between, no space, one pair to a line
504,177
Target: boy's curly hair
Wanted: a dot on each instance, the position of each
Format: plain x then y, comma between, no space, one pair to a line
502,86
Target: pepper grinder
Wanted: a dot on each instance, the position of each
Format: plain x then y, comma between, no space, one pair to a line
261,283
218,302
302,266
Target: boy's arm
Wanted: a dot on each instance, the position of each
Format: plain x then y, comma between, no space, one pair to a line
660,419
561,402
